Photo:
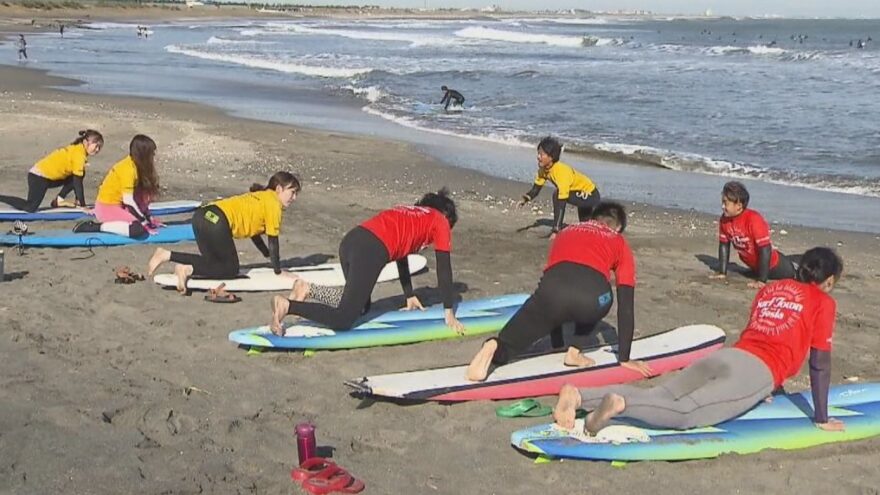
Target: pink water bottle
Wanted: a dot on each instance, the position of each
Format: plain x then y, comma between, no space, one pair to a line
305,441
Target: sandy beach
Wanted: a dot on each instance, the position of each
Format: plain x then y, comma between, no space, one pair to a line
129,388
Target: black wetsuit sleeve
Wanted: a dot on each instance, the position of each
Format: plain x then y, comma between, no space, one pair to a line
445,97
258,242
558,213
820,381
764,262
405,277
723,257
533,192
78,190
625,321
274,253
444,278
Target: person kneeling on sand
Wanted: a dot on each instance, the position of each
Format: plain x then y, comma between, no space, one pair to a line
215,225
789,320
575,287
391,235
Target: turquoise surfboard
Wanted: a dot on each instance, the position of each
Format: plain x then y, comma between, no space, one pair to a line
68,238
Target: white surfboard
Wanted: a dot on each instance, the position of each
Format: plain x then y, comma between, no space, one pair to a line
545,374
264,279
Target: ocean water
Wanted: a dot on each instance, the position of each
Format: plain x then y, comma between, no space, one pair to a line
790,102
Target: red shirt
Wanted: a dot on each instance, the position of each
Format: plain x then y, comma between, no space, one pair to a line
747,231
788,318
597,246
408,229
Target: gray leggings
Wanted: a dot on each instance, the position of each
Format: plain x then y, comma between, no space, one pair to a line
716,388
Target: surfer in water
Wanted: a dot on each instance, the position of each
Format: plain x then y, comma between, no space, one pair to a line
790,319
575,287
451,97
572,187
248,215
750,235
391,235
64,168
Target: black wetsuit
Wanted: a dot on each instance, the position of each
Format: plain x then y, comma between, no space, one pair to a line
784,269
452,96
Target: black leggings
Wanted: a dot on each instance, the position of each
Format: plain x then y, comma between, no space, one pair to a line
37,188
219,257
582,201
567,292
363,256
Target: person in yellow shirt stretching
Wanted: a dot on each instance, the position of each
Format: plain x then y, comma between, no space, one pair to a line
572,187
217,224
64,168
123,203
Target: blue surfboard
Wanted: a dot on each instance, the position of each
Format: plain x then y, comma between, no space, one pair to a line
67,238
158,209
785,423
391,328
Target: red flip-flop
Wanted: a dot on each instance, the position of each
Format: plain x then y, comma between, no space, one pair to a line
310,467
333,479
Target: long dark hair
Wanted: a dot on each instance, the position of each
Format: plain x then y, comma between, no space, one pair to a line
90,135
441,202
282,178
142,151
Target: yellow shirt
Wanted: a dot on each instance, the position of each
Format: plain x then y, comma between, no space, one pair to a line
63,162
120,180
252,213
566,179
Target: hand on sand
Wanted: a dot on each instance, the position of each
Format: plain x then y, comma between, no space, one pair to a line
521,203
552,236
718,276
755,284
639,367
413,303
832,425
453,323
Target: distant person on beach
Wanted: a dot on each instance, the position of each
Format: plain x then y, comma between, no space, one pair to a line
451,96
64,168
216,225
572,187
391,235
750,235
61,29
22,47
790,320
123,203
575,286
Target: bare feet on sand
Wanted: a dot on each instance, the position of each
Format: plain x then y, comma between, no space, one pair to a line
182,272
612,405
280,305
566,406
478,370
160,256
573,357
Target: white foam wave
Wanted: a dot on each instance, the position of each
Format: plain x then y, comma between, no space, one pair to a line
371,93
492,137
414,39
690,162
214,40
110,25
286,67
483,33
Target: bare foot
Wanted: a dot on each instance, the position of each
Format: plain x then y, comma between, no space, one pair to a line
301,290
478,370
611,405
566,406
573,357
160,256
182,272
280,305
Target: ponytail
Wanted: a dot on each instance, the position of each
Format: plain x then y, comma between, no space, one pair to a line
283,179
90,135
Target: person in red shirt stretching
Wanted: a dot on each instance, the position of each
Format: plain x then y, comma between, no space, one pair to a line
789,320
575,287
750,235
391,235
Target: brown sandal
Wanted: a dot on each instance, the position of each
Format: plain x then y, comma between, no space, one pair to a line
219,295
124,275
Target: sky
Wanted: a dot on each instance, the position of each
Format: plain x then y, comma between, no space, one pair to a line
787,8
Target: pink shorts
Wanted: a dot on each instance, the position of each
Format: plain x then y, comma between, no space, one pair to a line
113,213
